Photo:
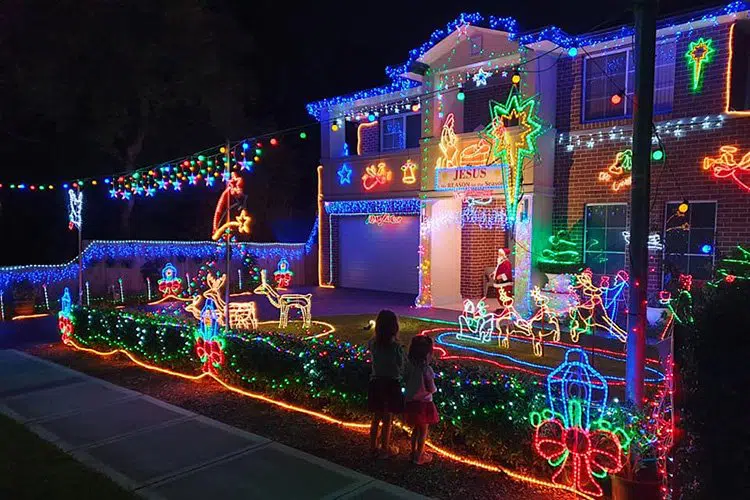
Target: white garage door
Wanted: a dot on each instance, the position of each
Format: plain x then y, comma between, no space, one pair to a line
379,257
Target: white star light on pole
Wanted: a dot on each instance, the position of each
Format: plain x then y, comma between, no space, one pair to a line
480,77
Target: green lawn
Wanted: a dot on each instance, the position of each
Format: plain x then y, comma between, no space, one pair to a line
33,468
352,327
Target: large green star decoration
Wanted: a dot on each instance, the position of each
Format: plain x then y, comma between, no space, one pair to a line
512,149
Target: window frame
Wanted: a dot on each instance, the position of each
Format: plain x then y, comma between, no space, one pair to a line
686,254
628,49
402,117
585,229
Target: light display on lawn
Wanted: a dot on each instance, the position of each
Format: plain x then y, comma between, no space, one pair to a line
209,344
618,172
475,322
681,306
699,53
75,209
242,315
283,275
65,318
374,176
725,166
513,150
591,313
733,269
572,434
510,321
285,302
544,322
170,285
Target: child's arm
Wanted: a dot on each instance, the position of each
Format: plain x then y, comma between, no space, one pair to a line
429,380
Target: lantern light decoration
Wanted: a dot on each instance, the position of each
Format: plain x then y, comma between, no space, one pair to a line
65,317
283,275
572,434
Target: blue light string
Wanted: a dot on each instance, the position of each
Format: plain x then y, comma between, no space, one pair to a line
382,206
659,376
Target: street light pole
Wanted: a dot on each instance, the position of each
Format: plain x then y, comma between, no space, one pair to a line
645,46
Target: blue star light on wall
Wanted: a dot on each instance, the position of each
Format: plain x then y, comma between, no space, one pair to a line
345,174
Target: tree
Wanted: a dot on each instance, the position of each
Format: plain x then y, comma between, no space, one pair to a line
123,78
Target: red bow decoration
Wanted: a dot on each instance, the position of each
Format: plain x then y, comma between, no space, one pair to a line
210,353
66,328
171,287
579,454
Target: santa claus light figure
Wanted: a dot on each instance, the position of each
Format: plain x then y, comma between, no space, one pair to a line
503,273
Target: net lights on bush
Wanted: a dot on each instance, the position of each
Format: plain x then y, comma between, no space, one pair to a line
699,53
572,434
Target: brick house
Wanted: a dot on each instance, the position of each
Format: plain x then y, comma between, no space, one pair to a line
413,192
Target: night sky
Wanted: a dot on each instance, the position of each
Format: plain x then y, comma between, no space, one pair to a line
277,55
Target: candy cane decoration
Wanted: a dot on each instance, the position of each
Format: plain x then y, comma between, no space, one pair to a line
148,286
46,297
122,294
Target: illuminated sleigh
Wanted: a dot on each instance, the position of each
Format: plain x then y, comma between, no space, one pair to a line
476,323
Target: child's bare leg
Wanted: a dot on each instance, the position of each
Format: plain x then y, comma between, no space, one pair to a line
374,424
414,441
421,440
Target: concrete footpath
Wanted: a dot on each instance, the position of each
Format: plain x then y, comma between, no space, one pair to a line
161,451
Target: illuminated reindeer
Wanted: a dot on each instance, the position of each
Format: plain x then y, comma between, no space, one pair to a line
510,320
543,315
242,315
286,302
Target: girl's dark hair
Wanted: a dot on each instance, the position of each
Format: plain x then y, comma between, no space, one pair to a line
420,348
386,327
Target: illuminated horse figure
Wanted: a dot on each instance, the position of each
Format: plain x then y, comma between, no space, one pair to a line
286,302
510,320
543,315
476,323
583,317
242,315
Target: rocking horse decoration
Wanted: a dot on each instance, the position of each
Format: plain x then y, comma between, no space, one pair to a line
591,313
170,285
242,315
476,323
285,302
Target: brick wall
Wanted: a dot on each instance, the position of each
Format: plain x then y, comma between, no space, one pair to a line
370,138
476,103
686,103
478,250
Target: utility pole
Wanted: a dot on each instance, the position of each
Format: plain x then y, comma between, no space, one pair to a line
645,52
228,254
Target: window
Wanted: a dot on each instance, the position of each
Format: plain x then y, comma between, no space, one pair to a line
689,240
739,94
400,131
606,75
604,245
477,102
475,45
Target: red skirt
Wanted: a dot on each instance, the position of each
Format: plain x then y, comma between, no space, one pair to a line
421,413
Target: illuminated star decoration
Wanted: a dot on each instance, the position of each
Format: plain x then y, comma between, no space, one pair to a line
75,206
699,53
126,195
210,180
345,174
113,193
225,176
150,191
162,184
511,150
139,190
480,77
193,179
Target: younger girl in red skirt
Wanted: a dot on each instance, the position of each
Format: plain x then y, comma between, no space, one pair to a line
420,385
